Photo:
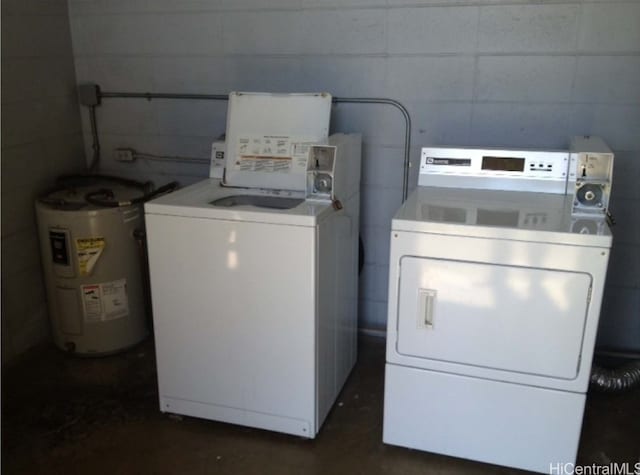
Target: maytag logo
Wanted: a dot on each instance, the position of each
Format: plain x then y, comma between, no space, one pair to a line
456,162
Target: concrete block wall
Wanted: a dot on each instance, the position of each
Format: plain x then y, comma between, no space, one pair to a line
471,72
41,138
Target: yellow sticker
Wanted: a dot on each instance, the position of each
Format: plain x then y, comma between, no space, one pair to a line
88,251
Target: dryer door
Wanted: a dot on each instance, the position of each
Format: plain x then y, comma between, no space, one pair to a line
508,318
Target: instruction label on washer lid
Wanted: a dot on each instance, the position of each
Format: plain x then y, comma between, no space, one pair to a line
271,154
88,251
105,301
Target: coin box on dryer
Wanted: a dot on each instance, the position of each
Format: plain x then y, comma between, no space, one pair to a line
590,175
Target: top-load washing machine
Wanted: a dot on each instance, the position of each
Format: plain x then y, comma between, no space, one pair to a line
254,277
497,268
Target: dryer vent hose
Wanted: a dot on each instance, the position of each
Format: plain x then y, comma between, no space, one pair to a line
615,380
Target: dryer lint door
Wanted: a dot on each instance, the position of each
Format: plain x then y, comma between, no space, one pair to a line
516,319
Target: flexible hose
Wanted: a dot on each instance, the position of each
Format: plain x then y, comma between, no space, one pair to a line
72,182
141,239
615,380
104,197
95,160
84,180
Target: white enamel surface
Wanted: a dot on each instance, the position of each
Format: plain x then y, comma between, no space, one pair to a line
255,309
500,253
195,201
225,309
478,306
337,304
495,292
523,216
298,117
120,260
500,423
544,171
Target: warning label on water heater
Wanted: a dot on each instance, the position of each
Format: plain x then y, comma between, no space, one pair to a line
105,301
88,251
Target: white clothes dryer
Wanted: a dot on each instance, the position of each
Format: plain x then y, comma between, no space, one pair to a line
494,300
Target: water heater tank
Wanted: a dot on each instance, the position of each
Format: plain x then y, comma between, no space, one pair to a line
93,260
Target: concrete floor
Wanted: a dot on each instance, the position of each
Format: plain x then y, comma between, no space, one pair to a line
69,415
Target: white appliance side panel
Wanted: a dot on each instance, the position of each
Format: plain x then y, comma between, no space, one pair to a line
347,288
234,316
337,303
501,423
327,351
503,317
588,260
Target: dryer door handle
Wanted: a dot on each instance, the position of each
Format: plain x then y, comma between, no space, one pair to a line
426,307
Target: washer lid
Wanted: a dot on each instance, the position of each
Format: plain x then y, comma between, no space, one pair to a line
268,137
493,214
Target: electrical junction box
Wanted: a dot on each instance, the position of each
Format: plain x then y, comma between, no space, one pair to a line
89,94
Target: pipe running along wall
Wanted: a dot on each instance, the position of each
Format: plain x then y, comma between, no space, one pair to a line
222,97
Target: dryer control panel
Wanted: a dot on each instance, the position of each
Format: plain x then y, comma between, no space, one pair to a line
584,172
551,165
495,169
